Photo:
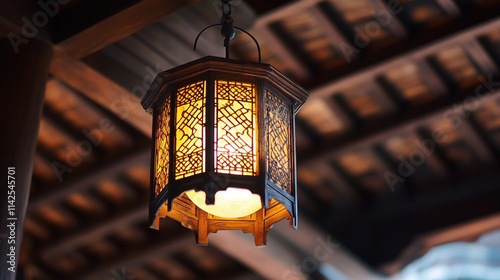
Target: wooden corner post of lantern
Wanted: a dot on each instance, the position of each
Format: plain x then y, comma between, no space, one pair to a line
224,147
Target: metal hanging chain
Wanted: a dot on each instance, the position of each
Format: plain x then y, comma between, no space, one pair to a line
228,29
226,20
226,9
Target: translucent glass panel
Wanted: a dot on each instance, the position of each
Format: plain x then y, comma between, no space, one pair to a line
278,142
162,147
190,130
235,128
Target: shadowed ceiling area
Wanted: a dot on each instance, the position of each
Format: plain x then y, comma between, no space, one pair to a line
398,143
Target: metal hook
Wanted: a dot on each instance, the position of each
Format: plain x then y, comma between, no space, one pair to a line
253,38
227,46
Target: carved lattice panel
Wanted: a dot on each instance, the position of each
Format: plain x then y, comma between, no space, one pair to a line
278,142
190,130
235,128
162,147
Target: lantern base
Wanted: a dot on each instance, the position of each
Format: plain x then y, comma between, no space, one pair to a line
203,223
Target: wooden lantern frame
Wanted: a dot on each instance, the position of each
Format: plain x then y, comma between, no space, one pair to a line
278,202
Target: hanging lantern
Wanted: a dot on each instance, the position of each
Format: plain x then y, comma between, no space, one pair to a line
223,146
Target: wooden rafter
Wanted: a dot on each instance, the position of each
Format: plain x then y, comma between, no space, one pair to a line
102,90
367,74
386,125
409,121
84,237
80,76
414,54
153,251
459,30
120,26
86,180
15,13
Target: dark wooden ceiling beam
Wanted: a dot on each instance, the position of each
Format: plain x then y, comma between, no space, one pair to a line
87,178
89,235
81,15
80,76
148,253
400,121
120,26
466,37
24,18
391,124
492,147
390,61
101,90
397,221
461,29
65,128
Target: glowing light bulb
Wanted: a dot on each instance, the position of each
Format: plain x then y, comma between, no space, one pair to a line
231,203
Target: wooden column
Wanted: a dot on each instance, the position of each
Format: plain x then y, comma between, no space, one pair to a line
23,75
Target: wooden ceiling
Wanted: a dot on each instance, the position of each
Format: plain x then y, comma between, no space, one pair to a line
400,137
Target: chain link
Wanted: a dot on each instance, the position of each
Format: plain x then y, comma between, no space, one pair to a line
226,11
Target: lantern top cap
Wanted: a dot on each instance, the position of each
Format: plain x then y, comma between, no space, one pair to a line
231,66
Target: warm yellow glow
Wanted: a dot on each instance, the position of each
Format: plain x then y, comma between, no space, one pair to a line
235,128
162,147
231,203
190,130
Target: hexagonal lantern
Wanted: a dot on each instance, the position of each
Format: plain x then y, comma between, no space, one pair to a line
224,147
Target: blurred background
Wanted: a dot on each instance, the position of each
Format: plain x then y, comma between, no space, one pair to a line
398,146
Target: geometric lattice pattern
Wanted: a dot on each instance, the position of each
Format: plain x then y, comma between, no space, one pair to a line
190,130
235,128
162,147
278,142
